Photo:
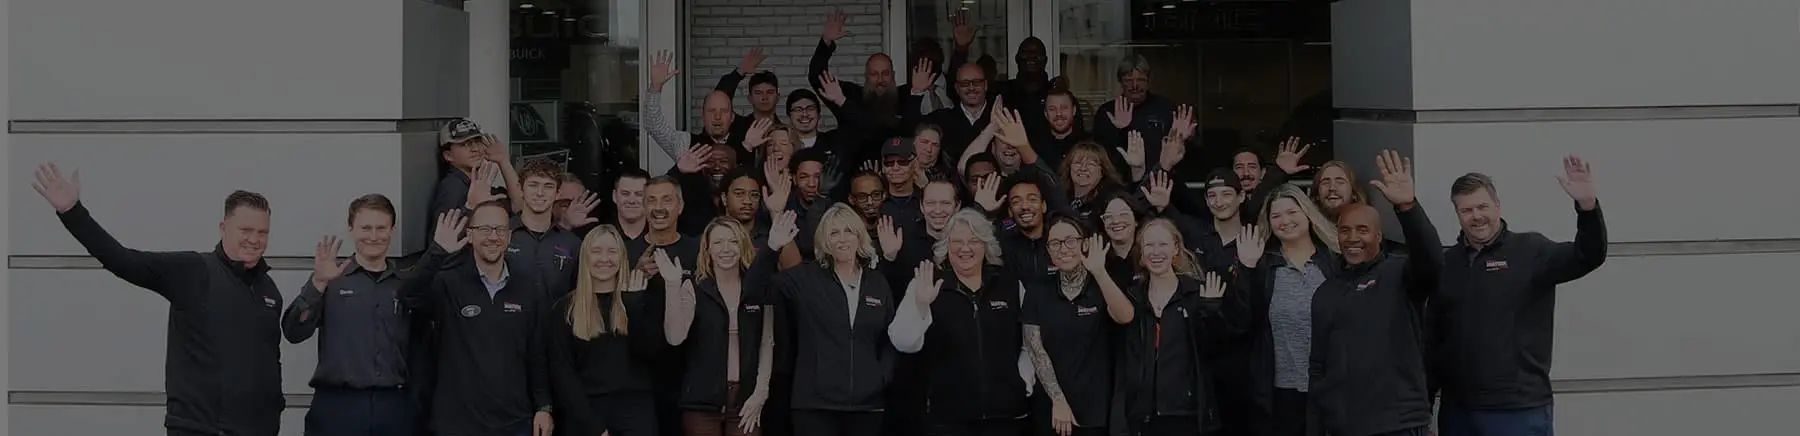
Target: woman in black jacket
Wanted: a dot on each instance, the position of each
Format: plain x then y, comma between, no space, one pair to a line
1069,330
839,308
728,342
602,337
1163,378
1276,287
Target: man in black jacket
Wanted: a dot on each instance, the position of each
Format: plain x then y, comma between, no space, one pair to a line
223,368
1494,311
1367,366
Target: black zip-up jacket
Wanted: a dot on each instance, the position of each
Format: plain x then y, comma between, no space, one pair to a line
1134,377
704,385
605,365
223,363
1254,288
972,349
1367,368
1495,309
491,359
839,365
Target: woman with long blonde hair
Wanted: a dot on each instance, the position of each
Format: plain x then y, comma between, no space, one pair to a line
839,308
1164,376
601,343
729,339
1278,286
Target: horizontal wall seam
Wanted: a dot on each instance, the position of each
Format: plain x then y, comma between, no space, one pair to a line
1616,249
1637,113
1572,386
222,126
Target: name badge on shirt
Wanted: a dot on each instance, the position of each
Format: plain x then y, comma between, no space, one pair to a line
1496,265
346,292
510,307
1365,285
1086,310
752,308
512,250
872,301
997,305
271,302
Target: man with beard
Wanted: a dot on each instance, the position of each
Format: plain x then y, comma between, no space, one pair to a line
492,378
1022,237
1058,130
1136,109
223,364
1497,297
541,243
961,124
1256,180
716,115
1368,353
663,204
877,92
868,196
898,171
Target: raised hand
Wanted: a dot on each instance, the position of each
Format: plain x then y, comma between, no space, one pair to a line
923,76
481,185
670,268
1095,260
1578,181
60,192
662,69
963,31
1173,150
1121,114
889,236
1396,182
326,267
830,89
987,193
577,214
924,285
758,134
646,263
1184,123
1250,247
871,166
448,234
1134,149
751,60
695,160
779,186
783,231
835,26
1215,287
1289,157
1157,189
1012,131
637,281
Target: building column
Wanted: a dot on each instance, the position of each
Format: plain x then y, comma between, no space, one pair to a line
1688,113
165,108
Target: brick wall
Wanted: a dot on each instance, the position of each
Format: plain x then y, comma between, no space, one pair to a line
787,30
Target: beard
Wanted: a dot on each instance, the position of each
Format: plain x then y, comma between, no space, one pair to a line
883,107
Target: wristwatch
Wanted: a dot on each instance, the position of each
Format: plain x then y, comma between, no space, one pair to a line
544,408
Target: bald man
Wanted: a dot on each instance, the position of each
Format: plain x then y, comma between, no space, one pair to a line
961,123
1368,327
716,116
878,93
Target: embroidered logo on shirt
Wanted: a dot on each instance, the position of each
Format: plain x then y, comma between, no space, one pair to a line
470,311
997,305
752,308
872,301
512,250
271,302
1086,310
562,256
511,307
1365,285
346,292
1496,265
1183,311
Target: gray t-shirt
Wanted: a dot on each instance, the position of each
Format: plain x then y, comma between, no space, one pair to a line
1290,322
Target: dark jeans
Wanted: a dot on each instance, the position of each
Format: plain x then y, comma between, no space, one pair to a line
1170,426
1418,431
830,423
978,427
718,423
1291,415
371,412
1536,421
630,414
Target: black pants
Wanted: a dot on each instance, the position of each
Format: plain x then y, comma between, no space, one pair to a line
371,412
619,414
1418,431
830,423
1170,426
1292,414
978,427
1236,408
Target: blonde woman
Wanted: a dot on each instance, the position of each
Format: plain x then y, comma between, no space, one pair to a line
1163,379
1278,286
601,339
724,324
839,308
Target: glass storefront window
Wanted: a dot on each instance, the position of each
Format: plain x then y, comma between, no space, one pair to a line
1257,70
575,84
931,19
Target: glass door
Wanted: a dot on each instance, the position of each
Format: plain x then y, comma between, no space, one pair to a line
1000,24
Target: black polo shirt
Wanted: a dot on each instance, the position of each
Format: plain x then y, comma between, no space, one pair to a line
1077,335
553,257
365,325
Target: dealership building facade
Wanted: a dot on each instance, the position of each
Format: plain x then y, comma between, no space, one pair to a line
1687,109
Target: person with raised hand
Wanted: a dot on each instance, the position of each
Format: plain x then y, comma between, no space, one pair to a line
723,322
359,384
1165,377
603,338
1367,369
1498,298
717,119
1278,285
1068,331
223,369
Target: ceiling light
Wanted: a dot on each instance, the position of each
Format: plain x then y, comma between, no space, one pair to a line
965,8
571,19
526,6
1168,6
548,12
968,2
1149,14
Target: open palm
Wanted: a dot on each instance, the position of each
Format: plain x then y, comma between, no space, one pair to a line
1396,181
62,193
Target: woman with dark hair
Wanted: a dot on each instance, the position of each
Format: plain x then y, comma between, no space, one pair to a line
602,337
1069,332
1163,382
1277,287
729,340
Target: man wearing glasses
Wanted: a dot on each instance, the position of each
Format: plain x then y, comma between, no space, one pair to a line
961,124
897,170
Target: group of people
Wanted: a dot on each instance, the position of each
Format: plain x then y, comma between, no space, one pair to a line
982,266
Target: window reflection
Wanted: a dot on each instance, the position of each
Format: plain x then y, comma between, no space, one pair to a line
575,84
931,19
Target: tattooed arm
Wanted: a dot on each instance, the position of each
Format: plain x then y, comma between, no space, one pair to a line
1046,374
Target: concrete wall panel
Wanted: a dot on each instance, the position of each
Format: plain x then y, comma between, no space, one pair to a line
64,420
1683,412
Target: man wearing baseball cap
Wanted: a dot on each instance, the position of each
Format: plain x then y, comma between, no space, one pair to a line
897,170
470,155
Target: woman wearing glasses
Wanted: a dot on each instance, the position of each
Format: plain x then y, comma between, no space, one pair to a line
1069,333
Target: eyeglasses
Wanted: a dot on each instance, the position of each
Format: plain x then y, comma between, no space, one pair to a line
859,198
487,230
804,109
1066,243
898,163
